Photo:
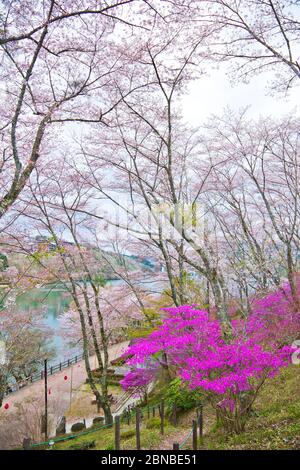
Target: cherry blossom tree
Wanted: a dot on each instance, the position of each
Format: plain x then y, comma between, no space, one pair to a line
254,195
52,76
56,200
257,35
150,157
25,343
120,313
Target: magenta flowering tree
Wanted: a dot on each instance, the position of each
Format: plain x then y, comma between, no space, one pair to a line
190,344
274,318
138,380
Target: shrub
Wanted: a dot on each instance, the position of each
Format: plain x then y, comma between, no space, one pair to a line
153,423
76,427
178,392
98,420
128,434
110,446
83,445
230,371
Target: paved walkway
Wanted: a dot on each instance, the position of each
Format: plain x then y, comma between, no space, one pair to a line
59,387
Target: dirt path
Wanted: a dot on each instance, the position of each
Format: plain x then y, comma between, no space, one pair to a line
182,434
59,387
179,436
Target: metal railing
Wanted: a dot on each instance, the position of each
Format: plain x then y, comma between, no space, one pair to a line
40,375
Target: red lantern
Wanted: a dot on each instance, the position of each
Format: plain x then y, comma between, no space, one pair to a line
65,377
6,406
49,391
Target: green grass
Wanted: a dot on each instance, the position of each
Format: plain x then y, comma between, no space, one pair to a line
275,423
104,439
82,401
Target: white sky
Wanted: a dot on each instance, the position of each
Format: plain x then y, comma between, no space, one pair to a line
212,93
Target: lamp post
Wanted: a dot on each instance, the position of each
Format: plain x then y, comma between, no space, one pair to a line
71,386
46,398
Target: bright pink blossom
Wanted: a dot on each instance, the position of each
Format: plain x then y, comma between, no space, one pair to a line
193,344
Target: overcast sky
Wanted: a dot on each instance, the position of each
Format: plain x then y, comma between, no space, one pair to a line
212,93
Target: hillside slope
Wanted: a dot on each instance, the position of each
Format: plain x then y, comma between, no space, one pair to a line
275,423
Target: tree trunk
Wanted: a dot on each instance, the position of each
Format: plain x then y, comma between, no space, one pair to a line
1,395
107,413
221,304
291,278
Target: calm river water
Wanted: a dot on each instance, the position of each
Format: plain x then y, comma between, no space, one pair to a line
55,301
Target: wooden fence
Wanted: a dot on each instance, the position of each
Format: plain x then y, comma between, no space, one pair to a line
196,432
137,416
